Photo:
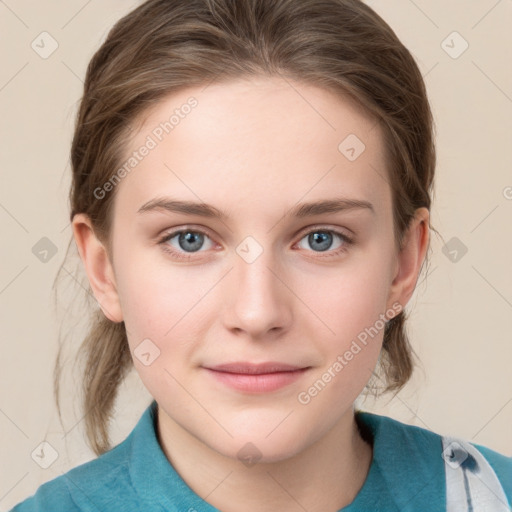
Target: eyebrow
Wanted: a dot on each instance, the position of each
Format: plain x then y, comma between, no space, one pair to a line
300,211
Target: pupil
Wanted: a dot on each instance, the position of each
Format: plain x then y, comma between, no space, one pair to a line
189,238
323,237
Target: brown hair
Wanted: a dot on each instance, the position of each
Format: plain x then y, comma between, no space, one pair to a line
166,45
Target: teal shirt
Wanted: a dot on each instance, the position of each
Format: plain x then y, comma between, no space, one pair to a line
407,474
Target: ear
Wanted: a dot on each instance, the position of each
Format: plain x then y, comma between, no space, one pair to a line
98,267
410,258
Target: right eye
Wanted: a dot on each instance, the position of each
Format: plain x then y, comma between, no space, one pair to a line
181,242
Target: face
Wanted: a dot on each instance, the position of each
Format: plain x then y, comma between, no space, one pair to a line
259,319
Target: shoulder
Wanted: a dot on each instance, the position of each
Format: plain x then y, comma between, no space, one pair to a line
116,480
90,487
419,451
53,495
500,463
415,437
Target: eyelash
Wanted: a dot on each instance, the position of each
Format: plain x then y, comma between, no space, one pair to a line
347,241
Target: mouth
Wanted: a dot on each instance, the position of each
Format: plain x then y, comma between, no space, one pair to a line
256,378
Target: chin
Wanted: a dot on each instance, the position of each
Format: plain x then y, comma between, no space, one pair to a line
263,451
263,441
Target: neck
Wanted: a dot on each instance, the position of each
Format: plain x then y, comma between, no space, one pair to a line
325,477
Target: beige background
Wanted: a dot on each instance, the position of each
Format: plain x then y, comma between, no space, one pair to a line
461,314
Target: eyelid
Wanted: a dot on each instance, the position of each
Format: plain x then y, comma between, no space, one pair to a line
347,233
186,227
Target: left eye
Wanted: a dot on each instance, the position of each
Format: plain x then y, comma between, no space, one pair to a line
322,240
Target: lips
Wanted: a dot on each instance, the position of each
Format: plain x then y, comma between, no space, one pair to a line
256,378
255,369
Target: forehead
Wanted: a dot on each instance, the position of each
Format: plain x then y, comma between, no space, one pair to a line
266,140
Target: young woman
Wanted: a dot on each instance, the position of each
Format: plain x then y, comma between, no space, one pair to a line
251,193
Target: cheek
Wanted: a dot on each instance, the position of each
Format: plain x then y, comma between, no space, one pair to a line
348,299
353,310
160,306
351,303
156,297
172,307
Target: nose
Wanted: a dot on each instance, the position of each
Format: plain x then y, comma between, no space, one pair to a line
259,303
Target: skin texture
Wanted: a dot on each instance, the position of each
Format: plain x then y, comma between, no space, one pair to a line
255,148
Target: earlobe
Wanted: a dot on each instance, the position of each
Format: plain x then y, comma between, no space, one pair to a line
410,258
98,267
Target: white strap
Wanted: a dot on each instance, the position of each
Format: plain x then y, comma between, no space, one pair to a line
471,483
